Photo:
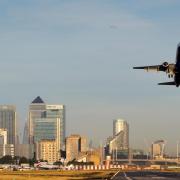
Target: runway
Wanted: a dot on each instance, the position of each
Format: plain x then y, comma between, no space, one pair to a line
145,175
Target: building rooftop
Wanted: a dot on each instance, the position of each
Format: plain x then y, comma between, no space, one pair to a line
38,100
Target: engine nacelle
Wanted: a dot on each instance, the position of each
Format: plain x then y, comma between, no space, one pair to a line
165,64
164,67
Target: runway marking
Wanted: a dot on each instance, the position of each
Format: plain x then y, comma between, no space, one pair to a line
125,175
115,175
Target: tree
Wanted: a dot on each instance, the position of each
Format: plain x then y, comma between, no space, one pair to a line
59,163
6,160
23,160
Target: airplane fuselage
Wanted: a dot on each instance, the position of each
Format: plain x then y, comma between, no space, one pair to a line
172,70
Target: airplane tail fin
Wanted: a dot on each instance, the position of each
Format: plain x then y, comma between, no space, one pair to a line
167,83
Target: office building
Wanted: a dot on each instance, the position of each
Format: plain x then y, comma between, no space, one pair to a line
8,122
120,125
158,149
93,156
6,149
47,150
74,146
117,146
117,143
57,111
36,110
83,143
47,128
40,112
3,141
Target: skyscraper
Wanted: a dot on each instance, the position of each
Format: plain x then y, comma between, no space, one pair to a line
120,125
118,145
47,129
8,122
57,111
46,122
36,110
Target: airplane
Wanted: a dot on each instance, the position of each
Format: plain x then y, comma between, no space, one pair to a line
172,70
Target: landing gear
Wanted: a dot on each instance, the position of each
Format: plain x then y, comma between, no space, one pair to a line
170,75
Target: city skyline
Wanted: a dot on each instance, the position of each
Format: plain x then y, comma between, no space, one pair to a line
81,54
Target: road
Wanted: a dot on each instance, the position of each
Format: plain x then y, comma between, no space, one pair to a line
145,175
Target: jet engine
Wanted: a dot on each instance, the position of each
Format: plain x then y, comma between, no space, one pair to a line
165,64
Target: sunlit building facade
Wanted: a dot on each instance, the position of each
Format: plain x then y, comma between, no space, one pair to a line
117,146
46,122
36,110
75,144
120,125
158,149
47,128
58,112
3,142
47,150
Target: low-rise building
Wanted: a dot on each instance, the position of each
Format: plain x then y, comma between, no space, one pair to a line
158,149
47,150
6,149
94,156
75,144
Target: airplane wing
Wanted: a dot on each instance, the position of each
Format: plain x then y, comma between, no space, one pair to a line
167,83
150,68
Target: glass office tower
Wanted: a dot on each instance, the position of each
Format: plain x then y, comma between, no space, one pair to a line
36,110
120,125
46,122
47,129
58,112
8,122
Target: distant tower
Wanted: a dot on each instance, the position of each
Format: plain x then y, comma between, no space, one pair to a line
8,122
36,110
47,129
120,125
121,132
25,134
57,111
158,149
46,121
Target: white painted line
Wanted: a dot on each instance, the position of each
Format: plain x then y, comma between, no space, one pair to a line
125,175
115,175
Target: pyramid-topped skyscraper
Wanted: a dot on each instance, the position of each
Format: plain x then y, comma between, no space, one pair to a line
36,110
37,100
46,122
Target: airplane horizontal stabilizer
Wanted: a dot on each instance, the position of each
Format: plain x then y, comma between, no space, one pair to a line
167,83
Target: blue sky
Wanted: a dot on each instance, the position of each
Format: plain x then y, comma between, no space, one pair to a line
81,53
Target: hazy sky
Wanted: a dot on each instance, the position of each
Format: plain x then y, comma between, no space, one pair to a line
81,52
